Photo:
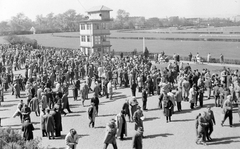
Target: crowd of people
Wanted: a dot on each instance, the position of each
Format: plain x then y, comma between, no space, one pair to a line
51,72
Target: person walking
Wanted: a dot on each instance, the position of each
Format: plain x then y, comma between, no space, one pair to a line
121,125
202,123
137,139
138,118
84,92
227,110
210,120
65,103
49,125
92,113
110,136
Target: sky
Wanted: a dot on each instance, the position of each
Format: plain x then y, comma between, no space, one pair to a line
146,8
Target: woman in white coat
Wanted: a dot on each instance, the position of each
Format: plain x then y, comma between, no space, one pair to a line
110,89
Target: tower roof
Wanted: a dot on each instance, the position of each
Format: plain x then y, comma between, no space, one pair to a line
99,9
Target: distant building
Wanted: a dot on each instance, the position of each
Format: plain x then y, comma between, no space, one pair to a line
94,32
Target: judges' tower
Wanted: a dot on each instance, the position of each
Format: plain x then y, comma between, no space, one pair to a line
94,32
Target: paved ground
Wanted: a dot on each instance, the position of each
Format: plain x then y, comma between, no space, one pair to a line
178,134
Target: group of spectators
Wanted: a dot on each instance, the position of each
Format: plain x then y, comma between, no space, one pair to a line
51,72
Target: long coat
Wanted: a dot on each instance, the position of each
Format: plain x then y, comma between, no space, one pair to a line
65,101
192,95
49,123
44,101
137,119
110,135
137,140
121,121
58,121
34,104
27,129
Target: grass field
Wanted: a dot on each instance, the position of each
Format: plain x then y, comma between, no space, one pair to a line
231,50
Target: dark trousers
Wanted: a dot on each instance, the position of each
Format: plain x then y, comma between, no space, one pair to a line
44,133
217,101
179,106
201,136
113,144
91,123
134,92
228,114
192,105
144,104
201,99
209,130
139,89
50,134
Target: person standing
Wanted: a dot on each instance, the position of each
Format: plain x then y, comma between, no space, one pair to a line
109,90
95,100
71,139
126,110
133,104
110,136
216,94
209,58
58,121
178,97
92,113
144,99
121,125
84,92
192,96
221,59
34,104
42,123
167,104
227,110
27,129
190,56
49,124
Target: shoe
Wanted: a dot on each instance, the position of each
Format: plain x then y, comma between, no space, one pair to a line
231,125
222,124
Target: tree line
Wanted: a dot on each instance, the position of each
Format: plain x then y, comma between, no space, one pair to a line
69,22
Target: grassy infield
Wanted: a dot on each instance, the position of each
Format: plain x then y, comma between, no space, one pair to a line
230,50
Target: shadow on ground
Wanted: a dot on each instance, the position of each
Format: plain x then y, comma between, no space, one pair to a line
158,135
226,140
